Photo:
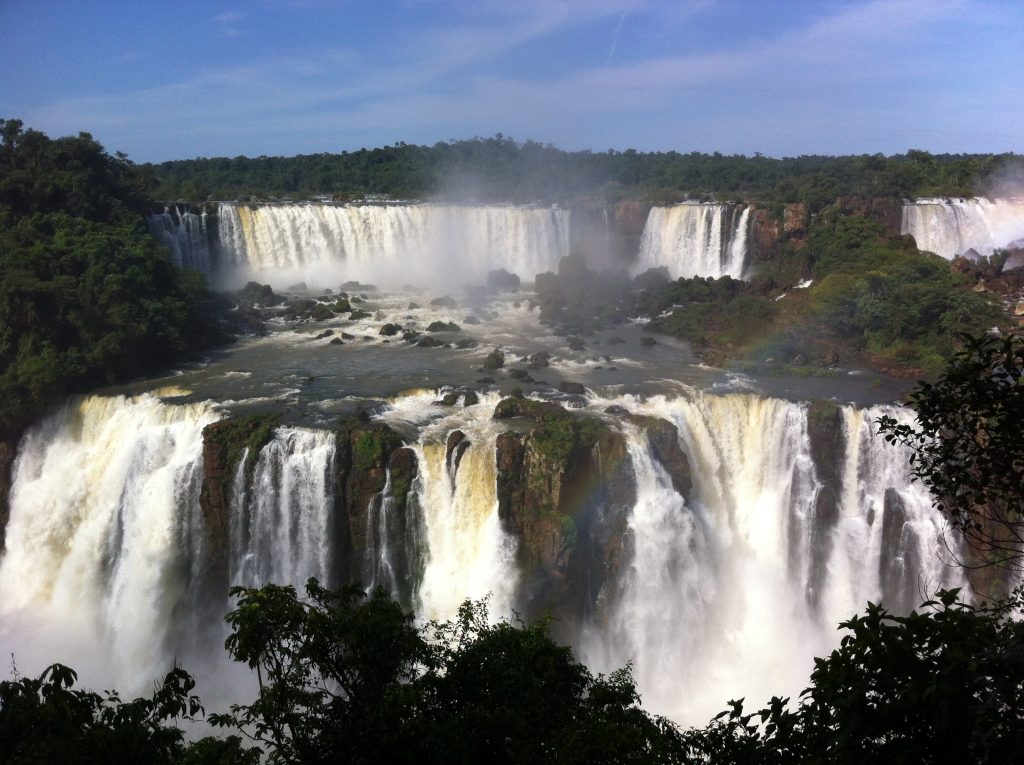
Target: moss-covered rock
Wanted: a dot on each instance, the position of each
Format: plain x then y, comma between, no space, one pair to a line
321,312
564,491
236,436
495,360
341,305
225,444
255,293
443,326
468,397
539,411
364,451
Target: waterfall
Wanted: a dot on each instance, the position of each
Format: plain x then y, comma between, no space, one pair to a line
185,234
888,539
715,603
325,244
695,239
728,592
951,227
281,522
95,571
466,552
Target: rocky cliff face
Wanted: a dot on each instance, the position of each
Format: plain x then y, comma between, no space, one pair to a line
825,432
765,233
366,451
794,218
8,451
885,210
565,489
225,444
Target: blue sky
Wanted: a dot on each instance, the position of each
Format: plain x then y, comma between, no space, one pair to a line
170,80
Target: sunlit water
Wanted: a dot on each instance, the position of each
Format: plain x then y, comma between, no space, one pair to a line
105,540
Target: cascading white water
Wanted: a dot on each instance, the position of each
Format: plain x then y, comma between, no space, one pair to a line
951,227
728,594
468,554
389,244
695,239
716,602
280,525
95,570
919,559
185,234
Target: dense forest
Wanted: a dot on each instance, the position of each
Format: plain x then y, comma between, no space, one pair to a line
500,168
87,297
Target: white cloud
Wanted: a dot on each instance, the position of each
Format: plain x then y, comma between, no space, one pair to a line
870,76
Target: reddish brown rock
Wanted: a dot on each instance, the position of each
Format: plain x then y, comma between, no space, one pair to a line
765,234
630,216
794,218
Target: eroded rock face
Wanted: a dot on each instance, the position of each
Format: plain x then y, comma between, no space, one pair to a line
794,218
565,488
225,444
765,234
827,447
455,448
364,450
899,591
8,451
630,216
885,210
663,438
406,553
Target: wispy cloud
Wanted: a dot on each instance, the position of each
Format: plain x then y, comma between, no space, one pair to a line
229,23
864,76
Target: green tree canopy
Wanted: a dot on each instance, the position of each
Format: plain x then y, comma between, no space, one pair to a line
346,676
967,445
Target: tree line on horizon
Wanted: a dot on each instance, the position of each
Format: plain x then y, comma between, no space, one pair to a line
502,169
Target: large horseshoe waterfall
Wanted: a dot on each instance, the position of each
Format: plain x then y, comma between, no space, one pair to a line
113,540
398,244
445,442
395,244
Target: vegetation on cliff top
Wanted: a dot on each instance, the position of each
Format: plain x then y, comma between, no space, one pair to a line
87,297
866,297
500,168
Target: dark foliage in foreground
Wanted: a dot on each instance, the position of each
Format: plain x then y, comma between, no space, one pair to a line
350,677
346,677
967,445
944,684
